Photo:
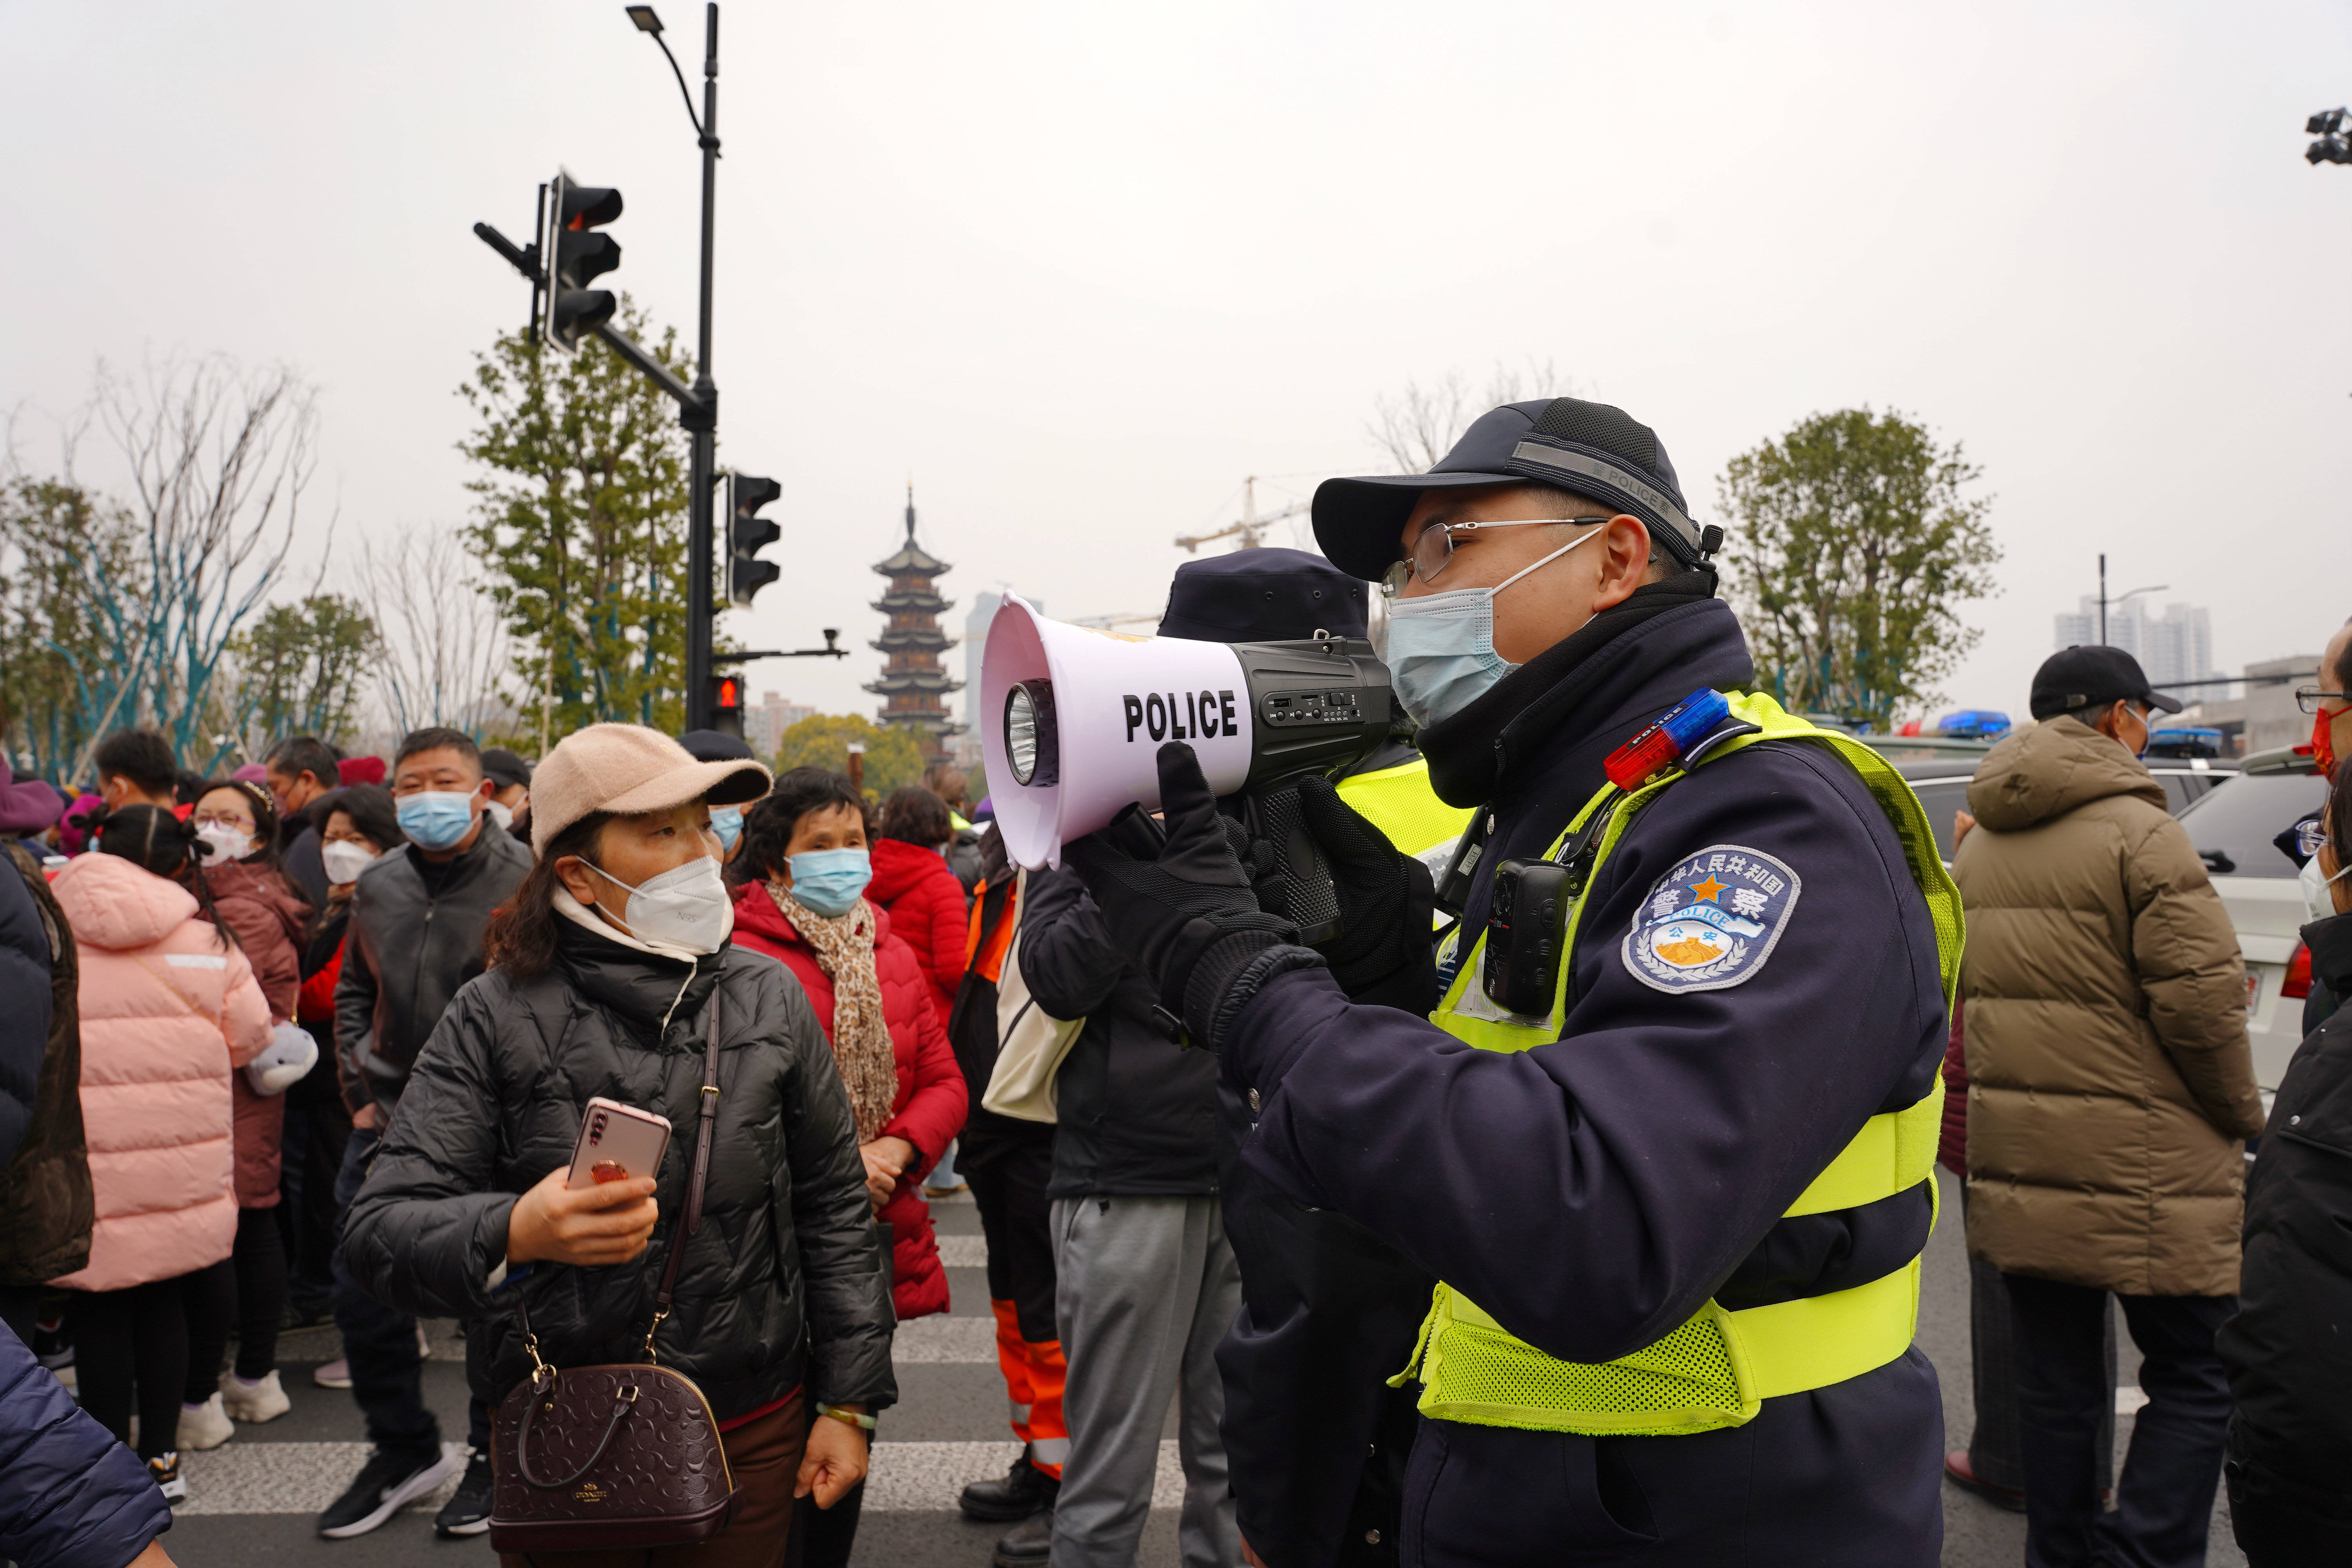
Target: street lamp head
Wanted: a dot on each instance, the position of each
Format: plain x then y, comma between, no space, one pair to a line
643,15
2326,122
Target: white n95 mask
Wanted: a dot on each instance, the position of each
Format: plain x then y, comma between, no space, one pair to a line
344,860
686,908
2317,896
1440,647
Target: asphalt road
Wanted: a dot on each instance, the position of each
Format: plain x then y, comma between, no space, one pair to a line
252,1501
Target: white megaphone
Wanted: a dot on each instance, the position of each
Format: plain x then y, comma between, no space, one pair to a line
1072,720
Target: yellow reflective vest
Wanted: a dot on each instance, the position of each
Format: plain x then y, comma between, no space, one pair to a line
1719,1368
1399,802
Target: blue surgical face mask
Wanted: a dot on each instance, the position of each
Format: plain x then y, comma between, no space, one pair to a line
1440,647
436,818
726,821
828,881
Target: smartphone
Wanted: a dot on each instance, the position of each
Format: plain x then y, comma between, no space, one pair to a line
617,1141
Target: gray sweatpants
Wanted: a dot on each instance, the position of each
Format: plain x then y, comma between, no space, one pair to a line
1146,1289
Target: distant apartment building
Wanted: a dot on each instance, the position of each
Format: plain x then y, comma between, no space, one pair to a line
2174,647
765,723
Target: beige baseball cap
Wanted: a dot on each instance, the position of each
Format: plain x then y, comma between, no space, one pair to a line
626,768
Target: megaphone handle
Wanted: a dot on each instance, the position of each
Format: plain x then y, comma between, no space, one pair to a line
1314,900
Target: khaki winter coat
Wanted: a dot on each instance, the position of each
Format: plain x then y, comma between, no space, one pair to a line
2109,1076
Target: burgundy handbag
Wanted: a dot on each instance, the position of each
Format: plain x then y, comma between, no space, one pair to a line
621,1455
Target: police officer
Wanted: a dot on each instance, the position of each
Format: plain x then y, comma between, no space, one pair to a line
1315,1439
1665,1138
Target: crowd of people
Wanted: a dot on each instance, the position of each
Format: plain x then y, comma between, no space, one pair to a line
316,1041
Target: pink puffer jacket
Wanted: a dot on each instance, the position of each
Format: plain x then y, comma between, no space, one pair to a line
167,1013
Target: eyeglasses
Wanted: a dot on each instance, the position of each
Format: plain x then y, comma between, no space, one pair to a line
2309,698
1434,548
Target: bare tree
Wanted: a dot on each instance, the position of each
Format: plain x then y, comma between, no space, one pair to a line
216,459
1419,425
444,648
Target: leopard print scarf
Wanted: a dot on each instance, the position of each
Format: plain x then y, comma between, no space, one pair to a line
843,945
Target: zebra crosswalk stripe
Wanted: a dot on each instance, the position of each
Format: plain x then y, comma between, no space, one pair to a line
304,1477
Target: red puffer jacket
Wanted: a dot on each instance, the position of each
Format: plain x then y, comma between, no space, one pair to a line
928,910
1952,1146
928,1109
262,910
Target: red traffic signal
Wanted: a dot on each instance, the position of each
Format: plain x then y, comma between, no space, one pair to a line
574,255
727,704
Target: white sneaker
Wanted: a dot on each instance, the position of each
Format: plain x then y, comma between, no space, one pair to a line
204,1425
424,1343
336,1373
254,1403
166,1473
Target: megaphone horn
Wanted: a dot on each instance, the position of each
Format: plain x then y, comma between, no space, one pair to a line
1073,719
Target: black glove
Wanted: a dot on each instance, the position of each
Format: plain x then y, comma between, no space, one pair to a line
1174,898
1385,902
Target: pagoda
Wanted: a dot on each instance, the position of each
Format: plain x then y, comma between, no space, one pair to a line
914,685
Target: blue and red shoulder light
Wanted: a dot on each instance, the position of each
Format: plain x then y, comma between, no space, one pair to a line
1664,744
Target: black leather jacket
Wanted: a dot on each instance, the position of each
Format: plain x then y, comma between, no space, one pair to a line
416,937
786,1283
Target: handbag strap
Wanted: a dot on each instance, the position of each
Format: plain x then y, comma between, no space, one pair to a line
706,1120
622,1402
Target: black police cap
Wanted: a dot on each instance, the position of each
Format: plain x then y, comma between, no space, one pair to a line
715,746
1590,448
2079,678
1262,596
504,767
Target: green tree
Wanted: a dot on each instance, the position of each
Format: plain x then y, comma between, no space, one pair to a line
1853,548
893,756
123,613
302,665
54,651
580,519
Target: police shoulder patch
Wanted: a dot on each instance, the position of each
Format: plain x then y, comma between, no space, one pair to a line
1711,921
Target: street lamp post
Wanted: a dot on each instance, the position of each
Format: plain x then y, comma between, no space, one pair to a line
2119,599
701,415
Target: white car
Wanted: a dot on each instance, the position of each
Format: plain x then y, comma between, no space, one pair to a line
2233,828
1942,785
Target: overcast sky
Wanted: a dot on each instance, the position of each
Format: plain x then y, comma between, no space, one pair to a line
1080,268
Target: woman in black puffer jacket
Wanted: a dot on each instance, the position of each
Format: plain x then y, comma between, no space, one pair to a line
604,968
2290,1369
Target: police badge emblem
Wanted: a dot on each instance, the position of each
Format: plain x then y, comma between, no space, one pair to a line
1711,921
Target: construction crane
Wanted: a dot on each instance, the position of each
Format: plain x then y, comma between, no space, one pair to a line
1105,623
1251,527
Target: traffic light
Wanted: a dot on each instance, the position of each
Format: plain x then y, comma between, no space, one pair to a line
748,534
574,255
727,704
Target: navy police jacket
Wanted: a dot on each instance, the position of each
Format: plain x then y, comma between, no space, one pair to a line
1594,1192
